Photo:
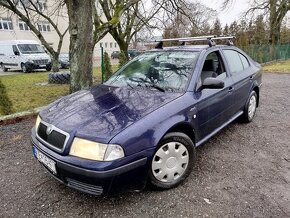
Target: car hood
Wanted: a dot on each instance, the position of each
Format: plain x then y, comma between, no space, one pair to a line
103,111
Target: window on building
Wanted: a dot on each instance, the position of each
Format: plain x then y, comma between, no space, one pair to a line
115,45
101,44
6,24
106,44
44,27
23,26
111,44
42,5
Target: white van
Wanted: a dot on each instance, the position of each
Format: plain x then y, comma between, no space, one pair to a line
25,55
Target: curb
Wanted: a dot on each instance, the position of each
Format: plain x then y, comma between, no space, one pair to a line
17,117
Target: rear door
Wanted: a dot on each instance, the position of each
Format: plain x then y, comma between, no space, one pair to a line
242,75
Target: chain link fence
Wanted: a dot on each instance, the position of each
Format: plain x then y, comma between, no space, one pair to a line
267,53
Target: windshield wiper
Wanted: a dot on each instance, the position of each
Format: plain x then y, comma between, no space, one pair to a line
156,87
148,83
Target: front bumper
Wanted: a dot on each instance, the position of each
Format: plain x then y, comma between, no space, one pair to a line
32,66
130,176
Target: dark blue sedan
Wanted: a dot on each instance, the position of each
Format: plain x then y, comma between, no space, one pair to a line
144,124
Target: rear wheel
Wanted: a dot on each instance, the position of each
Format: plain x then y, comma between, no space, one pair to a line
250,108
4,69
172,162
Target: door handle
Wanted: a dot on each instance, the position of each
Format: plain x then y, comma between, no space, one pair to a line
231,89
251,77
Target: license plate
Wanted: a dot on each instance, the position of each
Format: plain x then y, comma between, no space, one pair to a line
50,164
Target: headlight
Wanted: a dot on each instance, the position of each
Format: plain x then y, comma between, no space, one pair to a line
38,120
95,151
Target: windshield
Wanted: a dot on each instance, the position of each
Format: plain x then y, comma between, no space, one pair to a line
30,48
162,70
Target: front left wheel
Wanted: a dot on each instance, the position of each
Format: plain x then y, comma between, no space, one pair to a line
172,161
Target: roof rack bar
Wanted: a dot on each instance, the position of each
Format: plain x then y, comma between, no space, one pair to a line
186,39
210,39
224,37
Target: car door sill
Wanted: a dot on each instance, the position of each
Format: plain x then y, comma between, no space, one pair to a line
218,129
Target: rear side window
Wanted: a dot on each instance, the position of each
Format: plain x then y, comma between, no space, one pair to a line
244,61
234,61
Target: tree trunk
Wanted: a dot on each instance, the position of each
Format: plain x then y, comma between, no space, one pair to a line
55,62
124,47
80,14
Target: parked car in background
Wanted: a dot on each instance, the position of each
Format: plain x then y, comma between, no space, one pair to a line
64,60
115,54
25,55
144,124
133,53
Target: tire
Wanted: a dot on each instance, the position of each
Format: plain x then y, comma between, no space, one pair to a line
250,108
48,67
24,68
59,78
4,69
172,161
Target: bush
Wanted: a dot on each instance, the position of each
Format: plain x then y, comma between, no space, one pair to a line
5,103
122,59
107,67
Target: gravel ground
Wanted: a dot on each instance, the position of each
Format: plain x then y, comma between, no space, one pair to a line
244,171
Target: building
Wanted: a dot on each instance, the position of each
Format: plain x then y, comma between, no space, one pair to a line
13,28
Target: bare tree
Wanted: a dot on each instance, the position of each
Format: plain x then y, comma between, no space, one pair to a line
192,21
30,12
276,11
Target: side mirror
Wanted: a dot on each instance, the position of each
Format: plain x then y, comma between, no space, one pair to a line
16,53
212,83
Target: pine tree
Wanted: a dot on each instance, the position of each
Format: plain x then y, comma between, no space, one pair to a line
217,28
5,103
107,65
122,59
226,30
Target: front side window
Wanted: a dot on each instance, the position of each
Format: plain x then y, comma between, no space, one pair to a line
213,67
30,48
6,24
162,70
234,61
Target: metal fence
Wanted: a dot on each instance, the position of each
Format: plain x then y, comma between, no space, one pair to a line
268,53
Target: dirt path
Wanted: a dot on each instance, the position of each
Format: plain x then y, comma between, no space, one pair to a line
244,171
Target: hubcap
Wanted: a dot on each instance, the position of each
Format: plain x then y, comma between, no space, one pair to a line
170,162
252,107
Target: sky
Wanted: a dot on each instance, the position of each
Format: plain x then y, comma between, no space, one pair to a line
232,13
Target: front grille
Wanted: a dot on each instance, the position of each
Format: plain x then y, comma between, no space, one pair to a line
41,62
84,187
55,138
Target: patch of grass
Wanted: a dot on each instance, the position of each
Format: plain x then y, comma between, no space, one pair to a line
29,91
277,67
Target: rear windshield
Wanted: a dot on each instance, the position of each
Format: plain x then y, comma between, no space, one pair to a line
30,48
166,70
